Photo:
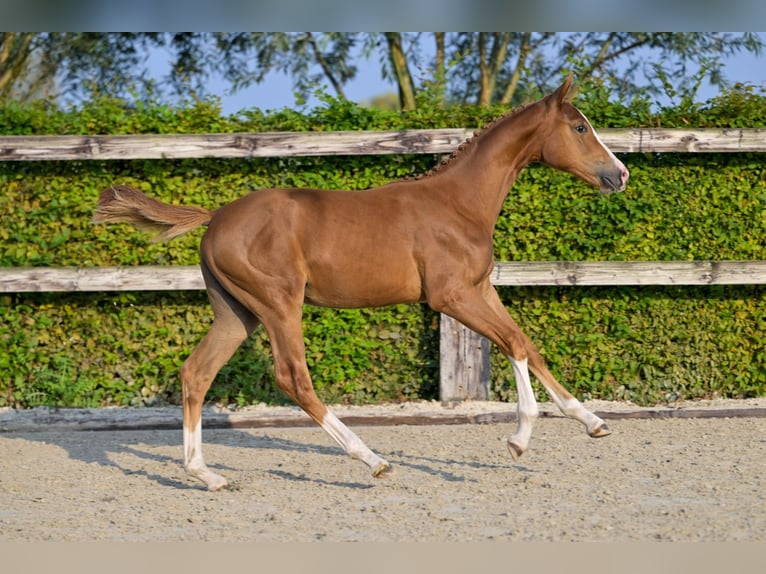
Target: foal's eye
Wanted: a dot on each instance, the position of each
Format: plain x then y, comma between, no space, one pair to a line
581,128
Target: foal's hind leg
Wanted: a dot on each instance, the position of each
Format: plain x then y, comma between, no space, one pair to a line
292,376
231,326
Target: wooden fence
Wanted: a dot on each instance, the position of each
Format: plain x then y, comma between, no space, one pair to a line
464,355
285,144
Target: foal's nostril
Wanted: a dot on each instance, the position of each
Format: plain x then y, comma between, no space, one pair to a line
608,183
614,179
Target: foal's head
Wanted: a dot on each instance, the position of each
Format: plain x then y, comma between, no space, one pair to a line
572,145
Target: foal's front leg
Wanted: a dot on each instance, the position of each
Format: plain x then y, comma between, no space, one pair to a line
533,361
563,399
527,405
480,309
526,409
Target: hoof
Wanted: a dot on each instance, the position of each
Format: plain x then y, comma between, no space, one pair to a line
384,471
515,450
213,481
215,486
599,431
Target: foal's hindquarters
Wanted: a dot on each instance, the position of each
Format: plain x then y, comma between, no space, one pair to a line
237,312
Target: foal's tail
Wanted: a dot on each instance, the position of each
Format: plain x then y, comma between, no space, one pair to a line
124,204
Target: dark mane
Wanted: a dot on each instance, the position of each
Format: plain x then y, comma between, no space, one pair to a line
476,135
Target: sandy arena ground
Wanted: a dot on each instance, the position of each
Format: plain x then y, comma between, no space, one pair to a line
666,478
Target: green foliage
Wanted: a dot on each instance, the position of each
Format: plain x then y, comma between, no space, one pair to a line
647,345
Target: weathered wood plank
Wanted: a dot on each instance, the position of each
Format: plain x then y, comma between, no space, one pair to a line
463,362
682,140
593,273
236,145
75,279
630,273
285,144
464,355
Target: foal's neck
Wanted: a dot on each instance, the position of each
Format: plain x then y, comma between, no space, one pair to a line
481,175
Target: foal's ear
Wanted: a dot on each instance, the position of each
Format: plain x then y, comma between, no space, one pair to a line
561,95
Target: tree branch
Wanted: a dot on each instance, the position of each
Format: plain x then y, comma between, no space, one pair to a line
513,83
602,59
337,86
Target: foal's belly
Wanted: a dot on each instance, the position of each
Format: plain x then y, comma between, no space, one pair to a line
349,289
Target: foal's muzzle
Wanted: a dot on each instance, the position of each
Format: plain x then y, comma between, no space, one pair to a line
614,179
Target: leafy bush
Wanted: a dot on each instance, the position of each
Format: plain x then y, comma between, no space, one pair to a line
643,344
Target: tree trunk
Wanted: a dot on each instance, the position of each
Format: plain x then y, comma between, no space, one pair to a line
401,70
484,88
513,83
440,71
491,64
14,56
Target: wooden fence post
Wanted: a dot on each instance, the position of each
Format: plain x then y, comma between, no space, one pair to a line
463,362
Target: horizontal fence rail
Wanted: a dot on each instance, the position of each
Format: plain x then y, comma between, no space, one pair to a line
464,355
533,273
287,144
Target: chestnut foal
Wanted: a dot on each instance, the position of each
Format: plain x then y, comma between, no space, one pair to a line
427,239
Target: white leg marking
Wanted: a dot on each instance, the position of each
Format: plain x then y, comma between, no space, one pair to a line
352,444
526,406
574,409
194,463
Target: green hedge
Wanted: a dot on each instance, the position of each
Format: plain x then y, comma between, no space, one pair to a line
647,345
